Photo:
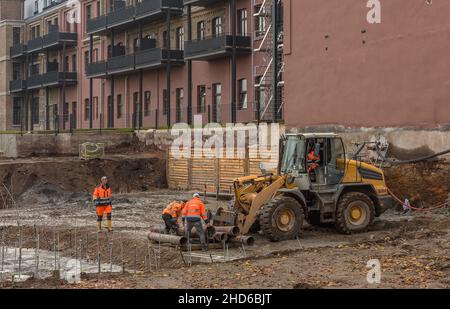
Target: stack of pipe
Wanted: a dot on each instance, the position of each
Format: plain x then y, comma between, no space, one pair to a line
217,234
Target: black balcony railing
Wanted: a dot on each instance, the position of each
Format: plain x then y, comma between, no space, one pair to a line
17,85
51,79
145,59
34,45
56,39
202,3
120,64
52,40
126,16
216,46
18,50
121,16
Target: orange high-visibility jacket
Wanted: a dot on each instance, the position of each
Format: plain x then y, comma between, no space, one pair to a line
103,193
174,209
195,209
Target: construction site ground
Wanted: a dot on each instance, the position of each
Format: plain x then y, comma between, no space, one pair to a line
51,198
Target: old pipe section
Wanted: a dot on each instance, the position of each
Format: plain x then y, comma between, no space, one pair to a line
246,240
170,239
230,230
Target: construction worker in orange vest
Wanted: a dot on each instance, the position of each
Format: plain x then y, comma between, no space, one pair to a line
171,214
194,213
313,159
102,202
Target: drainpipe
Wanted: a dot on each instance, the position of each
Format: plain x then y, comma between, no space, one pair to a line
168,69
189,29
91,81
233,62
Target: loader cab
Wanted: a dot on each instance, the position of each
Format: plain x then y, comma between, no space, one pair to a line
313,159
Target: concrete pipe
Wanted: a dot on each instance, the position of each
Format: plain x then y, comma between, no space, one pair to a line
220,237
210,232
230,230
246,240
170,239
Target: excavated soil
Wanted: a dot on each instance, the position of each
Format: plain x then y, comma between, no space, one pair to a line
36,179
425,184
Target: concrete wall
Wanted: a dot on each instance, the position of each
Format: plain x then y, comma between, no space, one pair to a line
14,145
342,70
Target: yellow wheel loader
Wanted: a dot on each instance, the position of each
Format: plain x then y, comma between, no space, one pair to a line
315,182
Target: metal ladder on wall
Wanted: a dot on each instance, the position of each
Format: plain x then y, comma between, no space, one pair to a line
266,111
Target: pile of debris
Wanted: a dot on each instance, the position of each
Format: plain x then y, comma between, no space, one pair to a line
217,237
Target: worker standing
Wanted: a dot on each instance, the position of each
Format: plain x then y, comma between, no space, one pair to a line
193,213
102,202
171,214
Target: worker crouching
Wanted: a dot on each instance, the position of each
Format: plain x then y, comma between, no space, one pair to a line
194,213
170,216
102,202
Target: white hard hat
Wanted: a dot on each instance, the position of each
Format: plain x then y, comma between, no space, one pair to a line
196,195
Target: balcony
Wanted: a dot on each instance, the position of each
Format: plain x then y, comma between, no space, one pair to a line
127,16
17,85
216,47
53,40
157,57
146,59
51,79
18,51
202,3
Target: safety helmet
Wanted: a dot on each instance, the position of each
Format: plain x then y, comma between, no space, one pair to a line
196,195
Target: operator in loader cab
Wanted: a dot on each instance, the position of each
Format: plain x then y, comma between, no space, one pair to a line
313,158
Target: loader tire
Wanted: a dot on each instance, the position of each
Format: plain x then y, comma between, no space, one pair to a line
281,218
355,213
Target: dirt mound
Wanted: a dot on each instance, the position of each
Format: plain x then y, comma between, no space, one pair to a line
424,184
46,180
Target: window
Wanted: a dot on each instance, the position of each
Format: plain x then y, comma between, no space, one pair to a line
86,58
74,63
88,13
179,107
217,103
35,111
243,18
95,106
201,30
119,106
165,103
243,97
201,99
180,38
137,109
16,35
86,109
165,40
95,55
67,17
17,111
36,7
38,31
16,70
55,22
217,25
66,112
66,64
147,102
98,8
136,44
260,22
260,97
